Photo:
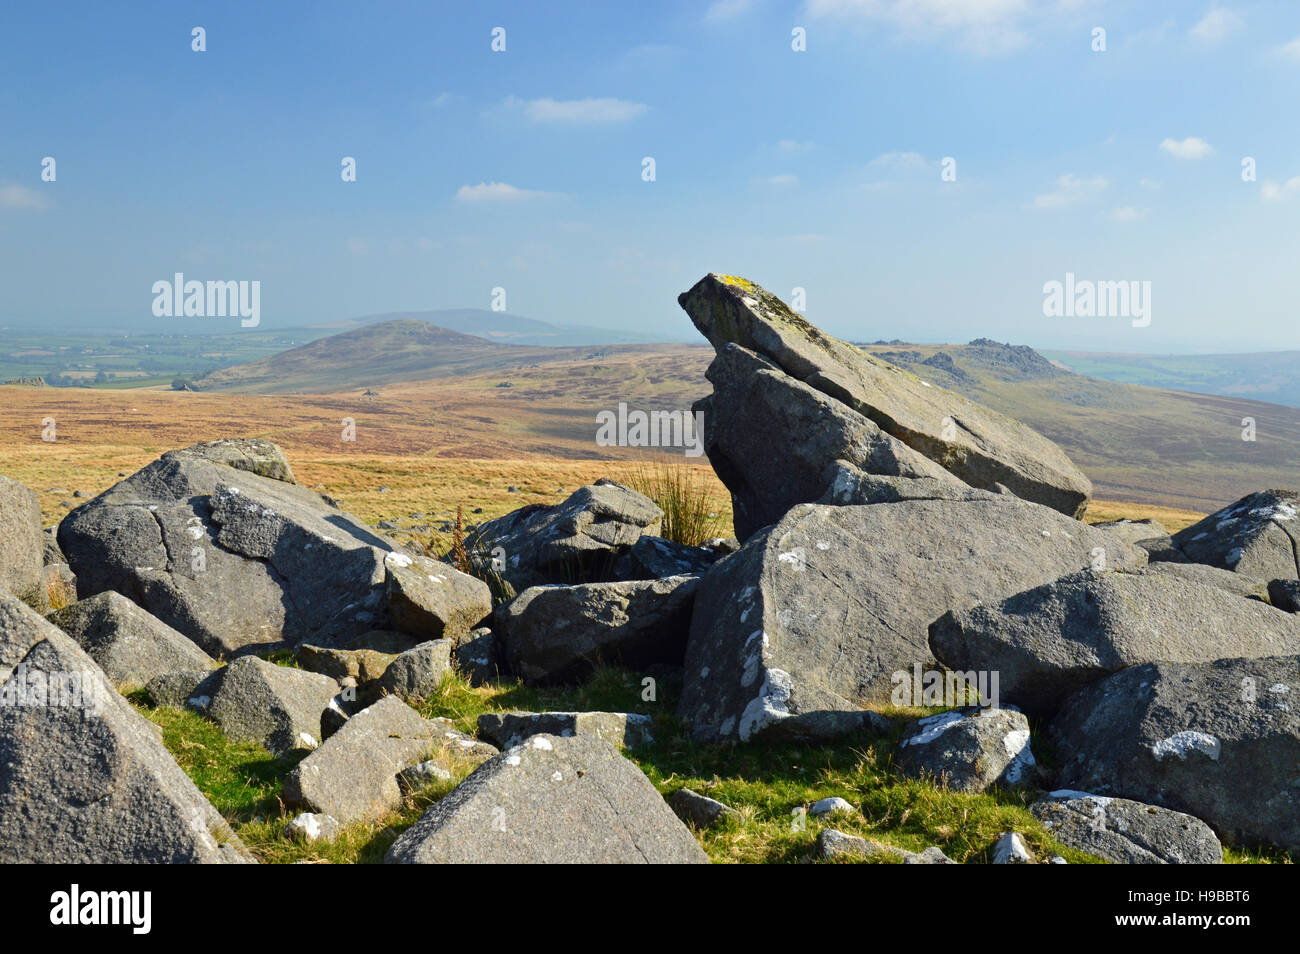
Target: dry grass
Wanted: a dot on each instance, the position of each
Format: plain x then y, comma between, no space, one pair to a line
694,510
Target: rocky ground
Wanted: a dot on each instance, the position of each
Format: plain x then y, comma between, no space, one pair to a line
913,651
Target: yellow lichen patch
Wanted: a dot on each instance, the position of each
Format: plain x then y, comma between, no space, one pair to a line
739,282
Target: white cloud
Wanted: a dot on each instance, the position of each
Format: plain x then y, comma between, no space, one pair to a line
1070,189
1273,192
785,179
990,27
1216,25
1193,147
726,9
21,197
496,192
1291,50
1128,213
592,110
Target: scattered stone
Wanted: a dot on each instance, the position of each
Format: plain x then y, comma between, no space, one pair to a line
87,780
1258,536
976,444
1054,639
833,844
174,689
419,776
815,614
434,600
353,775
577,541
700,811
130,644
257,701
418,672
507,729
930,856
559,633
552,800
1218,740
348,667
831,806
1010,849
970,750
1126,832
722,545
308,827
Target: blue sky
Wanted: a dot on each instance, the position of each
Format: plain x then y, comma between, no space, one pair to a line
522,169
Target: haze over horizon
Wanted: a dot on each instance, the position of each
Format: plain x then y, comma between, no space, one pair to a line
818,169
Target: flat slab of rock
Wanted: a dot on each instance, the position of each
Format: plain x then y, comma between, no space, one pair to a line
84,778
551,800
1126,832
1259,536
1048,642
507,729
560,633
698,810
577,541
433,600
353,775
816,614
130,644
1219,741
230,557
257,701
22,544
347,667
756,407
835,845
970,750
976,444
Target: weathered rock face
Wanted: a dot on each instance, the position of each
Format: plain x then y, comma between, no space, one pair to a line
480,658
769,437
1150,535
577,541
261,702
1285,594
128,643
821,610
970,750
1048,642
847,485
228,557
22,545
1219,740
653,558
52,556
700,811
1235,583
417,672
551,800
974,443
85,779
1258,536
559,633
1126,832
507,729
353,775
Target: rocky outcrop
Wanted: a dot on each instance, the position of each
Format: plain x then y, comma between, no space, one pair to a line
1125,832
1258,536
274,706
970,750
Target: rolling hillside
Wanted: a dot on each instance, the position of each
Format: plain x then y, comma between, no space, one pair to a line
1266,376
502,327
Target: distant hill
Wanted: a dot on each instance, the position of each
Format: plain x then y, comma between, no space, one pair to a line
503,327
1266,376
402,350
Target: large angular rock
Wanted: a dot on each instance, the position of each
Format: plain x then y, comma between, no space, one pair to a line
1126,832
129,644
974,443
418,672
1049,641
1259,536
353,775
434,600
507,729
1148,534
577,541
756,408
551,800
1219,741
970,750
653,558
820,611
480,658
22,545
229,557
1236,583
84,779
254,700
559,633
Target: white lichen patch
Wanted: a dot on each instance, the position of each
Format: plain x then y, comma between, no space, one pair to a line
934,726
770,706
393,558
1182,744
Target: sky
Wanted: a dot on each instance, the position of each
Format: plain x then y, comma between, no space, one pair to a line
919,169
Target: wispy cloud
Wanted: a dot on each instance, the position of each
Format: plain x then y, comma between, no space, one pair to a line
1291,50
1128,213
21,197
1216,25
577,111
990,27
497,192
726,9
1070,190
1193,147
1274,192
